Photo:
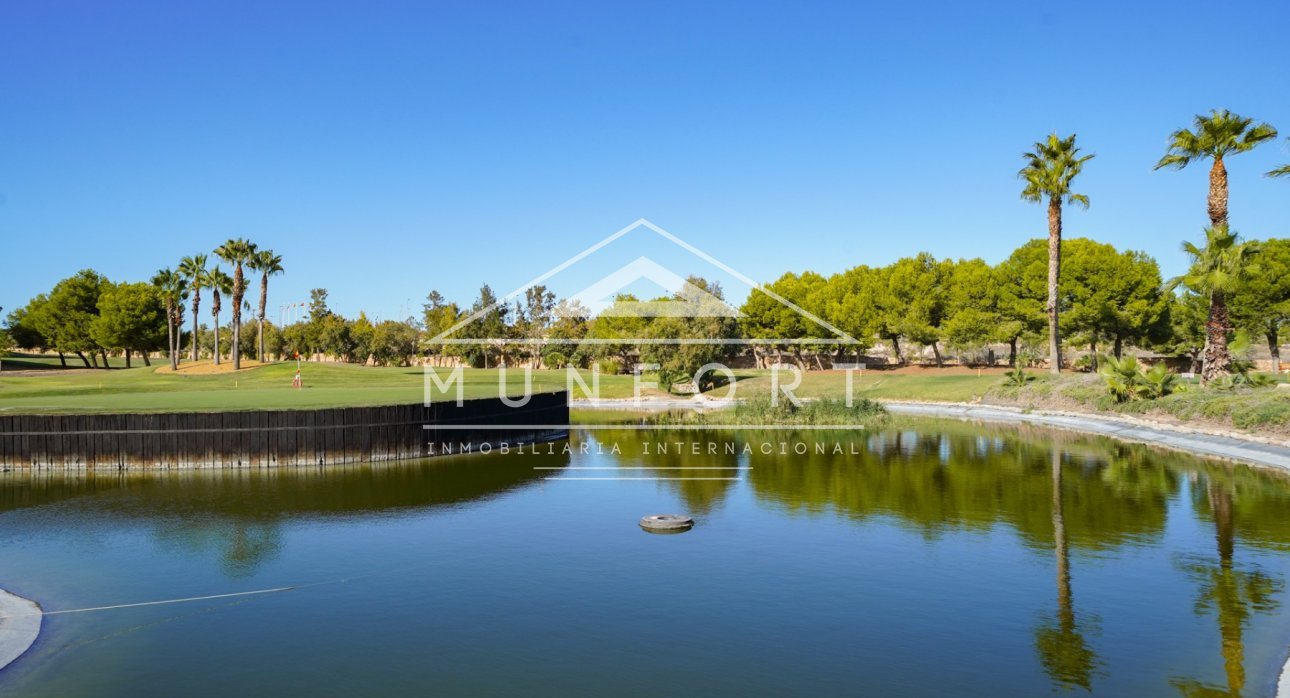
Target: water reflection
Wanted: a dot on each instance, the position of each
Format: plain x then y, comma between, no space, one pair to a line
702,479
1229,591
237,515
1060,641
1061,493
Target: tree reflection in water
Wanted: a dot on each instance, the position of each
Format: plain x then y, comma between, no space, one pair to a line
1232,593
1064,652
239,514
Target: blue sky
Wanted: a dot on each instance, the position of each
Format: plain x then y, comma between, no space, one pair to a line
385,149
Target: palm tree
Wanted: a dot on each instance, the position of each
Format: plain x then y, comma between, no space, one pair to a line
1216,270
268,264
219,283
1050,169
173,290
1216,136
238,253
1283,171
193,269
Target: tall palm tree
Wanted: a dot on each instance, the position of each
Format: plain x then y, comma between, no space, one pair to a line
1283,171
237,252
1216,270
1216,136
193,269
1050,169
173,290
219,283
268,264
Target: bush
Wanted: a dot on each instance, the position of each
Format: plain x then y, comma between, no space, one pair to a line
608,367
1126,381
1016,378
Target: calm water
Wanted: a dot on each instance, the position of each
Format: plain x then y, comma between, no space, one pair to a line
937,559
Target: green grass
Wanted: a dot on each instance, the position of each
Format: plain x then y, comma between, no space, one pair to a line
18,361
1265,409
142,389
875,385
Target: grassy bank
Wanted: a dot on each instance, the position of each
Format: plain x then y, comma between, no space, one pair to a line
1264,410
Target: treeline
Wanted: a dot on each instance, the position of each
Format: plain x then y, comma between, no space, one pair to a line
89,316
1110,299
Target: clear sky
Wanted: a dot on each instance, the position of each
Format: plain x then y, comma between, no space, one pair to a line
385,149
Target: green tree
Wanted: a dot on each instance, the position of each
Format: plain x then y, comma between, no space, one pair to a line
393,342
1112,296
23,326
568,327
172,290
1050,169
355,341
318,303
705,329
489,328
1216,137
1217,270
131,318
621,321
973,317
69,312
268,264
1261,303
850,302
916,299
1022,285
1187,314
237,252
220,284
767,319
193,269
439,316
534,317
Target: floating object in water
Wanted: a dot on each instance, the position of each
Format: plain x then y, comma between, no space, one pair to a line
667,523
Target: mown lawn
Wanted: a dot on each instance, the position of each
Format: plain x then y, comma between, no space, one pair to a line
144,389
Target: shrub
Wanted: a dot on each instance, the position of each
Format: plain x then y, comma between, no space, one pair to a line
1016,378
1123,378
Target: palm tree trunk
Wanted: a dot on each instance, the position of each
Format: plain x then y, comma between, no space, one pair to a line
1218,193
1054,273
170,336
238,290
215,315
1218,361
264,298
197,299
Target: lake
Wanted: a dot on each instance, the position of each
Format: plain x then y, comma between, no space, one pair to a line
926,559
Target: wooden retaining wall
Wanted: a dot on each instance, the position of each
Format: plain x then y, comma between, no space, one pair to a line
274,438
